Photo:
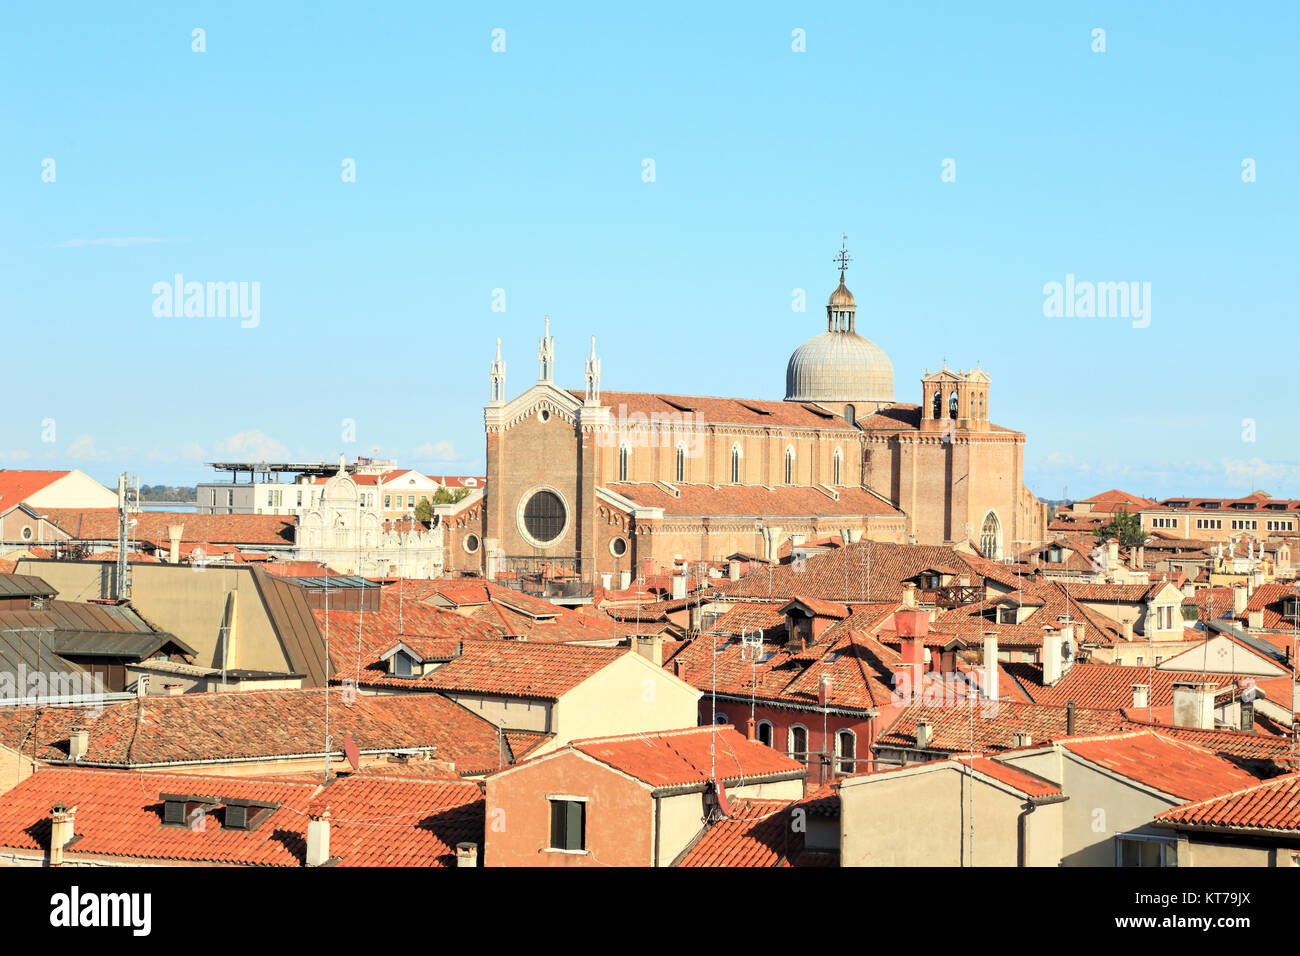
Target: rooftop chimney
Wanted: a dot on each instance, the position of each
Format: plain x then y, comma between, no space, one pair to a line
1069,719
749,729
679,581
1239,600
991,666
78,742
909,594
624,580
174,532
1112,554
1140,695
922,735
1194,704
651,647
733,569
174,690
62,830
1021,740
318,838
1126,630
679,668
467,854
1051,657
1247,715
1255,620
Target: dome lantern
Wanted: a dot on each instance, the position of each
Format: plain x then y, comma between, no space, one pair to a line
839,365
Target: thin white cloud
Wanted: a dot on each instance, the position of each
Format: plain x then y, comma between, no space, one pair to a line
436,451
85,449
252,445
122,241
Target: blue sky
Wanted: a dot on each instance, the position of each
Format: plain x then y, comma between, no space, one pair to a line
523,171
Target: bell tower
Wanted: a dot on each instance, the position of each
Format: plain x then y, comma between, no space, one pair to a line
952,401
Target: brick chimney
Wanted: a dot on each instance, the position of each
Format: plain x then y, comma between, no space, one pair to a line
1112,554
911,627
749,729
1070,722
467,854
679,668
318,838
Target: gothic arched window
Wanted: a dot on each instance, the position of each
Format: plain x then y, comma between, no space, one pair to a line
789,466
681,462
838,459
991,537
624,453
735,464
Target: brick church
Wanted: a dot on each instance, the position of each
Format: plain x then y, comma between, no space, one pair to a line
589,486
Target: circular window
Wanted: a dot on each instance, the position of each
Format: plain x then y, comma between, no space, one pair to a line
618,547
544,516
471,543
544,415
27,532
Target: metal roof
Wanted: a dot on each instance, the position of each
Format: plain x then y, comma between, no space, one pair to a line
114,643
24,585
336,583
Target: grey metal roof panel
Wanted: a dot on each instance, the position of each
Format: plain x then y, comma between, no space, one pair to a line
24,585
114,643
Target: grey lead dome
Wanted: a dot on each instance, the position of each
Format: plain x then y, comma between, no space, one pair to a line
839,365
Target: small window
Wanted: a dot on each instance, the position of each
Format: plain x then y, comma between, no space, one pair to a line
568,825
1145,851
618,547
799,743
471,543
846,746
838,459
850,414
624,453
27,532
735,465
681,463
764,730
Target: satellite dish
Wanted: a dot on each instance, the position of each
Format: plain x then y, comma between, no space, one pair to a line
351,751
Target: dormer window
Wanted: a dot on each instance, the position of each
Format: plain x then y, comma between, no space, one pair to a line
246,814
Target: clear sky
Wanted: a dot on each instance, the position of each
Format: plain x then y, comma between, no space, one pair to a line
524,171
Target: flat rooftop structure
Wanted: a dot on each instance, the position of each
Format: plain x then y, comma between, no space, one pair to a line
320,468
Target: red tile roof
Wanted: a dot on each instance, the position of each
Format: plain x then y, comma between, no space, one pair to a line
681,758
120,815
758,833
1272,805
16,485
255,726
1106,686
993,726
520,669
1030,784
381,821
729,411
1163,763
100,524
747,500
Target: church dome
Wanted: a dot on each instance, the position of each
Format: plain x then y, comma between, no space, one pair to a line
839,367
